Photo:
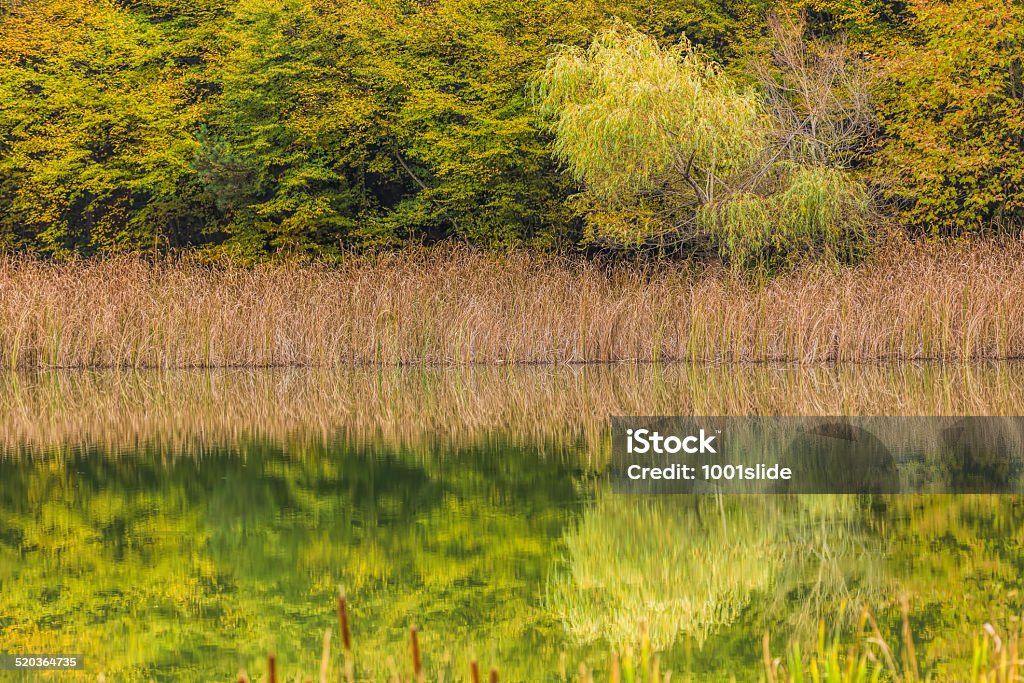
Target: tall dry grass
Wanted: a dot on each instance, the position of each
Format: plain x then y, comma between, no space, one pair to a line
452,306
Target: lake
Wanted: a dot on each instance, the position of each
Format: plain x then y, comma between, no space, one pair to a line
180,525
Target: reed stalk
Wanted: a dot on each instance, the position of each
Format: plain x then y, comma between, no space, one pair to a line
867,658
448,306
417,659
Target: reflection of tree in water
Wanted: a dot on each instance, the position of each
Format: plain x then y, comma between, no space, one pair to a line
830,558
631,561
687,570
983,455
189,568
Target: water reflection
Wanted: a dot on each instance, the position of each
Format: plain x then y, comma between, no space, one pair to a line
242,550
687,567
178,527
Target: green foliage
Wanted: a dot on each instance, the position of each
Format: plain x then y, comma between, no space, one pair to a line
94,143
724,28
860,20
815,209
315,127
954,115
668,147
625,113
295,127
464,145
290,146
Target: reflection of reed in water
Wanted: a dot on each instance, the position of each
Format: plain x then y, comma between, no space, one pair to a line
557,408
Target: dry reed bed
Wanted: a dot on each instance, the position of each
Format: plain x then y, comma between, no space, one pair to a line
452,306
563,410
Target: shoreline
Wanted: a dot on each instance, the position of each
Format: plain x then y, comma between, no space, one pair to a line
770,363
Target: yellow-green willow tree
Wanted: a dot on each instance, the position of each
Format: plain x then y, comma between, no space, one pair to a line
669,149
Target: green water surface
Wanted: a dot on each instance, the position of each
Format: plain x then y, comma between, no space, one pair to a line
167,551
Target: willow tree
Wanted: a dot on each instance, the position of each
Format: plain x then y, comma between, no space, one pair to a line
688,569
668,149
634,565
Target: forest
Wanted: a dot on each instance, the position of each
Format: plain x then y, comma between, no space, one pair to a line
752,131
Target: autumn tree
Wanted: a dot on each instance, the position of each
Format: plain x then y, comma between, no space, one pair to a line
95,148
668,149
953,114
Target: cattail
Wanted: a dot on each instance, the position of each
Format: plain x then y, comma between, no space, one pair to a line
272,668
474,671
494,675
417,661
616,675
346,634
242,677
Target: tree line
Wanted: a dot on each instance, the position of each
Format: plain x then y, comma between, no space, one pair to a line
757,130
